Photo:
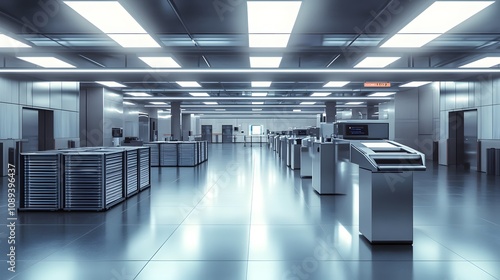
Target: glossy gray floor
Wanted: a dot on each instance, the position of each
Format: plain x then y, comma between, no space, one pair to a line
244,215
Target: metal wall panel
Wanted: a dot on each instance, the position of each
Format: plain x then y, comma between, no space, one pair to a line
70,96
23,91
112,115
496,91
10,121
486,93
472,95
485,122
66,124
443,128
496,122
41,94
407,132
55,95
425,112
449,96
94,126
461,95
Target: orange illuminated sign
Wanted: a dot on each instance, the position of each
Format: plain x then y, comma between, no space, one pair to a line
377,84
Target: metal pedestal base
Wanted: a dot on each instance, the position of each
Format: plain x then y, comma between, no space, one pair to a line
386,206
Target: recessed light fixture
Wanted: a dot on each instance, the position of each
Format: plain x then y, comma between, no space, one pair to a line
261,84
268,40
188,84
415,84
297,110
257,103
158,103
265,61
210,103
8,42
112,19
354,103
128,103
485,62
111,84
160,62
259,94
256,109
137,94
271,22
321,94
336,84
376,62
199,94
381,94
425,28
46,61
220,109
307,103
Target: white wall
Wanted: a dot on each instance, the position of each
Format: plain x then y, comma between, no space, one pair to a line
243,123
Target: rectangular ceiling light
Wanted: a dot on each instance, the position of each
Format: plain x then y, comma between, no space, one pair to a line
268,40
381,94
259,94
134,40
137,94
409,40
112,18
272,16
297,110
220,109
46,62
321,94
199,94
111,84
336,84
188,84
376,62
158,103
417,84
307,103
261,84
271,22
256,109
257,103
160,62
353,103
128,103
265,62
8,42
210,103
425,28
485,62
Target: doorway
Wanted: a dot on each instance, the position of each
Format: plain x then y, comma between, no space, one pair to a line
227,133
462,143
38,130
206,133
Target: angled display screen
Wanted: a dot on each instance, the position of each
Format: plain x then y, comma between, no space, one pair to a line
357,130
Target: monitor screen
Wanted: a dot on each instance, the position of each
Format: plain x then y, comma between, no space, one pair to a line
357,130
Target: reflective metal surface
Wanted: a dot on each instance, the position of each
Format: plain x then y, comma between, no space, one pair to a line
244,215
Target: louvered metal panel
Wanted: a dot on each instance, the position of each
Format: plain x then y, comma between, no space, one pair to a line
40,182
132,184
155,153
93,180
187,154
144,167
168,154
